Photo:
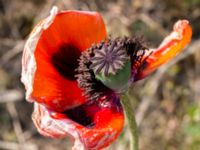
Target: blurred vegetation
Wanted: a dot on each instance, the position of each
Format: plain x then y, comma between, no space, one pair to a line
166,103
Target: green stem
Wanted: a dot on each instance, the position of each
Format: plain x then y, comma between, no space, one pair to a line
126,103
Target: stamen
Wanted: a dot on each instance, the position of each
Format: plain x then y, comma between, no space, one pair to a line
136,49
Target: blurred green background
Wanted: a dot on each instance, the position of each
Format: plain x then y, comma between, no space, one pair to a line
167,103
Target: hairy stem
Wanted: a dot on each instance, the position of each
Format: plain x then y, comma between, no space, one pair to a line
126,102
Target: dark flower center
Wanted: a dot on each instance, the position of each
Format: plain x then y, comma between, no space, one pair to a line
107,57
92,87
80,115
86,113
65,60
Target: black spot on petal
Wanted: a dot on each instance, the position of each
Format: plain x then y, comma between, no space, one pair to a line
65,60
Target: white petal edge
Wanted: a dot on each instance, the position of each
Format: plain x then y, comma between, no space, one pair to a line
28,59
177,33
45,123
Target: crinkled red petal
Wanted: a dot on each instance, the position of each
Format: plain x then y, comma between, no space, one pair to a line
170,46
106,125
56,55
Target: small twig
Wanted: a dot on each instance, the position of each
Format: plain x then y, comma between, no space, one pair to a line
153,24
10,96
12,53
15,146
7,42
16,123
28,134
146,101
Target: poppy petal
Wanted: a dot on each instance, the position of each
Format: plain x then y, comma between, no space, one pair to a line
170,46
28,59
54,47
106,125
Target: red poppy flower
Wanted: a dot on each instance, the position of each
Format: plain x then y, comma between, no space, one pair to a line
49,66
